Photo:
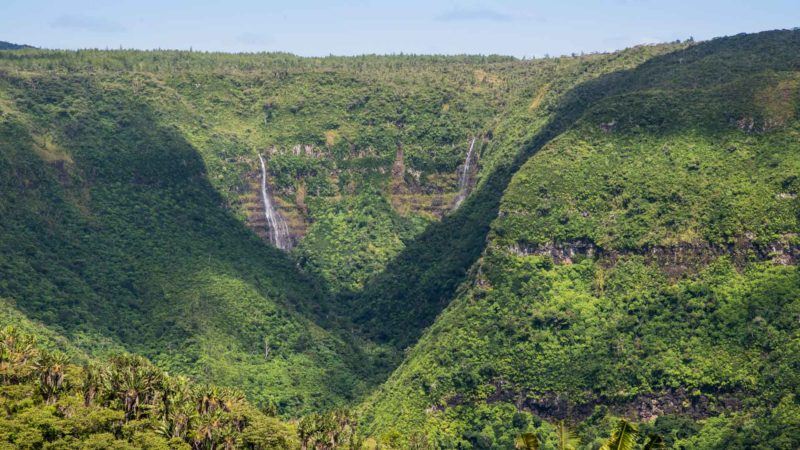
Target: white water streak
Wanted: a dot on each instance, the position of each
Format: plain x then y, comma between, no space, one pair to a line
277,228
465,177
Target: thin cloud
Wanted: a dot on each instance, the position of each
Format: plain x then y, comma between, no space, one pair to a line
630,41
94,24
253,39
464,15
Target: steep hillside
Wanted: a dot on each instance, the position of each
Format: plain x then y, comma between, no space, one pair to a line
398,303
130,177
642,264
11,46
112,235
524,245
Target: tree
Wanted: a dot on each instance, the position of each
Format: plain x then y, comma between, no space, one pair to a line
566,441
334,430
527,441
624,436
93,378
654,442
17,353
50,368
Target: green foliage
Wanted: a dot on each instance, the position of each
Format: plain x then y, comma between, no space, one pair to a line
405,298
126,178
639,263
623,436
527,441
125,403
566,440
113,237
336,429
353,238
629,248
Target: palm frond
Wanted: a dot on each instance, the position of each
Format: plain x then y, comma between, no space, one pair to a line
623,437
654,442
566,440
527,441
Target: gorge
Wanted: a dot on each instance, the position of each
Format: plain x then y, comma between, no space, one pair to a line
431,252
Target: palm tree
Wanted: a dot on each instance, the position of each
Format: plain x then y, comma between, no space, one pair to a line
210,430
527,441
306,430
566,441
178,411
93,379
624,437
337,429
17,352
654,442
135,383
50,368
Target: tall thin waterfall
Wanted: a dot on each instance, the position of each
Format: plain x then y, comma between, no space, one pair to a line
465,178
278,230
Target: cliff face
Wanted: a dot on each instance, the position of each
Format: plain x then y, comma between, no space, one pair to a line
292,213
675,260
408,194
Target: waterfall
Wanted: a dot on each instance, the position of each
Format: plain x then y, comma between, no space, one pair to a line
278,230
465,178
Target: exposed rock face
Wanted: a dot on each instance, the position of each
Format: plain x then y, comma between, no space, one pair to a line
276,224
398,172
609,127
291,216
561,252
642,407
675,260
410,195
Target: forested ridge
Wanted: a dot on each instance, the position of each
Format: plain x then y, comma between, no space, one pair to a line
622,272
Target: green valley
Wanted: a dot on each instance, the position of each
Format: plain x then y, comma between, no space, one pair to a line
261,250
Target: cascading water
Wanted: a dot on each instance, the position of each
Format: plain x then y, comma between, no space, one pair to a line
465,178
278,230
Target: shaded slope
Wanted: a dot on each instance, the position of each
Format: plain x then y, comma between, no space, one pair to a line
11,46
638,267
112,234
331,130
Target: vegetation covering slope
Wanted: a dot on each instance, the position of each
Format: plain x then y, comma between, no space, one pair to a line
126,403
11,46
629,247
405,298
336,131
642,264
112,236
125,173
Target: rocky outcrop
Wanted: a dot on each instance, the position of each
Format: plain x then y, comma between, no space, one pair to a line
675,260
292,216
644,407
641,408
277,228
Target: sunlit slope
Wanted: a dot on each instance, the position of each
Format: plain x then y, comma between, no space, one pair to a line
398,303
642,264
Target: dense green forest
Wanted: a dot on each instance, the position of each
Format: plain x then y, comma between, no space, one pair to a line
621,273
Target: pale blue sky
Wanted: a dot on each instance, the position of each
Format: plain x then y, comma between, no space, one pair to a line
319,27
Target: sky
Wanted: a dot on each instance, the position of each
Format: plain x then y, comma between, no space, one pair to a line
322,27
